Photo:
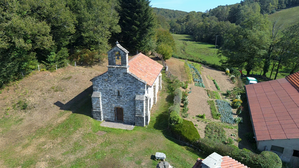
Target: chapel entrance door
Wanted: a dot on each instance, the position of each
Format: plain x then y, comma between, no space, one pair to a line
119,114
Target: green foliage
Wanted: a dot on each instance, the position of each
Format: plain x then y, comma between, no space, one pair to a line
21,104
188,71
239,110
164,37
174,107
165,50
185,131
215,132
238,120
217,86
177,96
213,94
170,14
175,118
232,94
236,103
214,112
244,156
226,111
203,116
230,141
137,25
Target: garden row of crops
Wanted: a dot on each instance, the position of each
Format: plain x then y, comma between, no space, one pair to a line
225,110
196,76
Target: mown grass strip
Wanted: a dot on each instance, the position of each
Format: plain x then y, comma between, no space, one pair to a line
214,112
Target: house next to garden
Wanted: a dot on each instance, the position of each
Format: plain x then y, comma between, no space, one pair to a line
274,109
128,90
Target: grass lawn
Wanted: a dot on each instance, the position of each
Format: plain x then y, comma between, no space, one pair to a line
186,48
286,17
80,141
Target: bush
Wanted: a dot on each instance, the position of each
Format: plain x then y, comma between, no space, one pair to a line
175,118
236,103
227,71
240,109
230,141
165,50
214,112
270,159
177,96
238,120
235,72
203,116
174,107
185,131
213,94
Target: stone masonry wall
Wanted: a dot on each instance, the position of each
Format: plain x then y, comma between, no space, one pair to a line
109,84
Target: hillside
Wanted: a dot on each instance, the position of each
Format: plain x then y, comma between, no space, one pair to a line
170,14
45,122
286,17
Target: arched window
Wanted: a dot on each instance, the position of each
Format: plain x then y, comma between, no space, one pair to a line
117,58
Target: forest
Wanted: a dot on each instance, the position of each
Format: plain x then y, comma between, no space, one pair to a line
51,34
244,34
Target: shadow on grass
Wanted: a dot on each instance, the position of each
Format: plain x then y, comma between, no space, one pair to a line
78,102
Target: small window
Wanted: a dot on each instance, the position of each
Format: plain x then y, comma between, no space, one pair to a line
296,153
118,93
277,149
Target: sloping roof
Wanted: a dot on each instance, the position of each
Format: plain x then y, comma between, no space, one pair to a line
228,162
274,108
294,80
145,68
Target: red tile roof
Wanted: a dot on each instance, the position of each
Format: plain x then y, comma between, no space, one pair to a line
294,80
145,68
228,162
274,107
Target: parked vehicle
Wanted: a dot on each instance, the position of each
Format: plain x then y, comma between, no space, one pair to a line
250,80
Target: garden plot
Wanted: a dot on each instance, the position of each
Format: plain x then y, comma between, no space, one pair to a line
176,68
222,80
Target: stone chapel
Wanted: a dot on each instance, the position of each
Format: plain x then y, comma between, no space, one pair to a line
128,90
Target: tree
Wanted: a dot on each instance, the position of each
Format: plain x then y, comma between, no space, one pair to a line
165,50
137,25
246,45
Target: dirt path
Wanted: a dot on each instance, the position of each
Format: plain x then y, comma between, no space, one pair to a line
176,68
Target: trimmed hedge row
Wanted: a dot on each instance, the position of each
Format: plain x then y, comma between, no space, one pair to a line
217,86
185,131
266,159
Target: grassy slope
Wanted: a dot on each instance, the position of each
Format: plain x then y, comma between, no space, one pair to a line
186,48
286,17
71,140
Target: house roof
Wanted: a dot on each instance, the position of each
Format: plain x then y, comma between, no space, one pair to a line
216,160
294,80
274,108
228,162
145,68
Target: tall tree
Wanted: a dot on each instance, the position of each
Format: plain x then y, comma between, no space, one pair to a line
137,25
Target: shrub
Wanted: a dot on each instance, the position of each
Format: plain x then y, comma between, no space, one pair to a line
215,132
214,112
235,72
174,118
226,111
238,120
213,94
270,159
174,107
230,141
236,103
227,71
177,96
240,109
203,116
217,86
185,131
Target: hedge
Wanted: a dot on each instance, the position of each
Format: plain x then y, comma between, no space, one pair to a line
266,159
185,131
217,86
177,96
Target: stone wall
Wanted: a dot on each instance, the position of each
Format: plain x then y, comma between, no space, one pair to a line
128,86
